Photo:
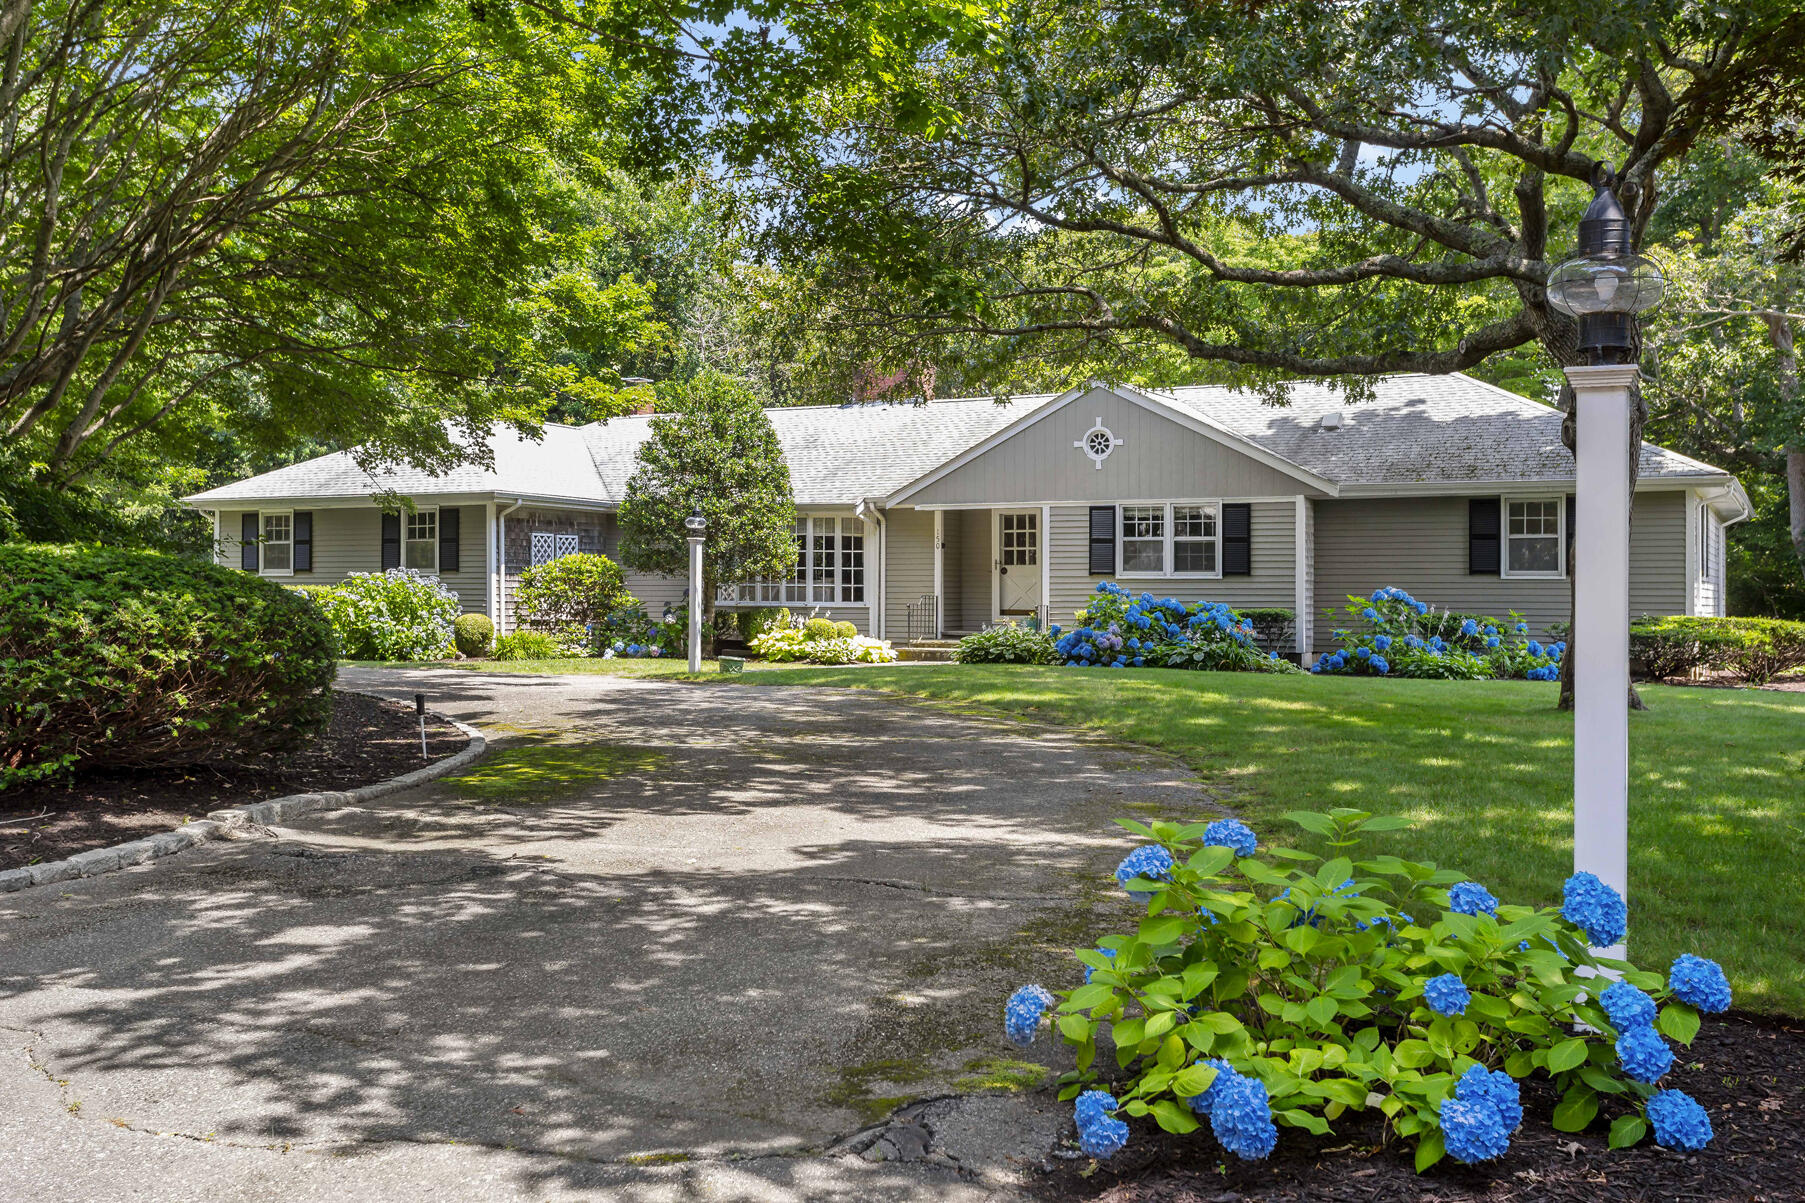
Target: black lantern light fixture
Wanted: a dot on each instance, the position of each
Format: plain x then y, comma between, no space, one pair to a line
695,524
1607,284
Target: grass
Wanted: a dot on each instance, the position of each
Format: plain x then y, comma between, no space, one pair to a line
538,772
1484,769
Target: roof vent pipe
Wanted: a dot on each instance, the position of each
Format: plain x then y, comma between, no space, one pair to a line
1332,421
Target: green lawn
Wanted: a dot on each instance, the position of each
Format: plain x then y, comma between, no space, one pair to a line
1717,825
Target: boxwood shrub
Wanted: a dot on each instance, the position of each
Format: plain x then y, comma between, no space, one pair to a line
135,658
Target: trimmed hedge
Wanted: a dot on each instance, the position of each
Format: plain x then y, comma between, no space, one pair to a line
134,658
1753,650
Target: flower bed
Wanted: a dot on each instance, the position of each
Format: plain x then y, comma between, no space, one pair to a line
820,646
1284,991
1399,636
1120,629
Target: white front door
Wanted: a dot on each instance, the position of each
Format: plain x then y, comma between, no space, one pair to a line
1018,561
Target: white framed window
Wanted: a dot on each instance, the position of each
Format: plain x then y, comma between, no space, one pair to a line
1706,569
1172,538
829,567
420,539
551,545
1535,532
276,543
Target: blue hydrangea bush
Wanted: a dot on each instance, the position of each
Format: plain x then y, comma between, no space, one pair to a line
628,633
1272,989
1395,635
1121,629
400,614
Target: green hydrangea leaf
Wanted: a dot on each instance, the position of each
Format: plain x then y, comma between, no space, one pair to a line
1627,1130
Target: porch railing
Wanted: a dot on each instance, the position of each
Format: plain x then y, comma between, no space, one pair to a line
921,618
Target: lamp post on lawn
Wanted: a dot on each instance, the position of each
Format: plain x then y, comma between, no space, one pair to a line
697,526
1605,286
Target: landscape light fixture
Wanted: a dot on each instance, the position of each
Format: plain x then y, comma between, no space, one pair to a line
695,524
1607,283
1605,286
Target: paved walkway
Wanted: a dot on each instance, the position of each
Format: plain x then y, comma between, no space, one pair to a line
665,942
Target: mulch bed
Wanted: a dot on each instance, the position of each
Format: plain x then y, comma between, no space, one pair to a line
1745,1070
368,741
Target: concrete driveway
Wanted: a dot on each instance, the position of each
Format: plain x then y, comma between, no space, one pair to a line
665,942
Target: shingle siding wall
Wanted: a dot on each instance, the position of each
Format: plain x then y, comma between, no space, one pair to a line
1271,583
1419,544
347,540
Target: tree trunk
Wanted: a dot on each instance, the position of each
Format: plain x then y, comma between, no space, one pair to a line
1779,331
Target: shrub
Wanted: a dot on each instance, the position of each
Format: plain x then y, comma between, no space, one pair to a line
1284,991
112,657
1119,629
572,591
532,645
1274,628
629,633
783,644
754,623
1403,637
1008,644
1753,650
846,630
401,614
821,628
472,634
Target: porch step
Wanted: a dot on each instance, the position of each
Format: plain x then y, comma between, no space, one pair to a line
916,653
933,643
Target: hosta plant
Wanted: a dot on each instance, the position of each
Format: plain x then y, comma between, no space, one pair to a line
1271,989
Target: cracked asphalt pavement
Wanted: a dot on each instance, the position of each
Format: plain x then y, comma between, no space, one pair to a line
665,942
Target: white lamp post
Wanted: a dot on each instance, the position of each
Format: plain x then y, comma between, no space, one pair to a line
1605,286
697,526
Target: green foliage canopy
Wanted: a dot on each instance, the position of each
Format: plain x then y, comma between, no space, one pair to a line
715,451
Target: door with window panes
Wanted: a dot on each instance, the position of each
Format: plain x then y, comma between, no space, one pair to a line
1018,561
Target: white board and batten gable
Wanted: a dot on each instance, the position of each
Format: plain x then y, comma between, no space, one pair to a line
1107,444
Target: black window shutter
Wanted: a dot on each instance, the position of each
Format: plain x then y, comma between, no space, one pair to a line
1237,539
448,540
303,541
1572,513
1103,540
250,528
1483,536
391,541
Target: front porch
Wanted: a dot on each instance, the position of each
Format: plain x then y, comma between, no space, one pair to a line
989,566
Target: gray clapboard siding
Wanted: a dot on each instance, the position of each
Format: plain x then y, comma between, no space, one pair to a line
1419,544
1157,458
971,593
910,567
349,539
1271,583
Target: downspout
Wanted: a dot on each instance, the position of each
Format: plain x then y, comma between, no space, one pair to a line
501,565
875,597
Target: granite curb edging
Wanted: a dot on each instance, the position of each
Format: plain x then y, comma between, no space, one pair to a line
218,822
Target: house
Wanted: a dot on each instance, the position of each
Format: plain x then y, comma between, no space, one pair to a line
932,519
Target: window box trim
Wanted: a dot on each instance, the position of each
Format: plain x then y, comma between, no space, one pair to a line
1505,571
263,545
1168,531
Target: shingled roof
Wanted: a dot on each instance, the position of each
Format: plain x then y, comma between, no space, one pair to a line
1416,431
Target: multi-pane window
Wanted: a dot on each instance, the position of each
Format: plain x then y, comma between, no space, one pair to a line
1173,539
1020,537
1194,538
829,567
1144,538
278,543
420,547
552,545
1533,537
